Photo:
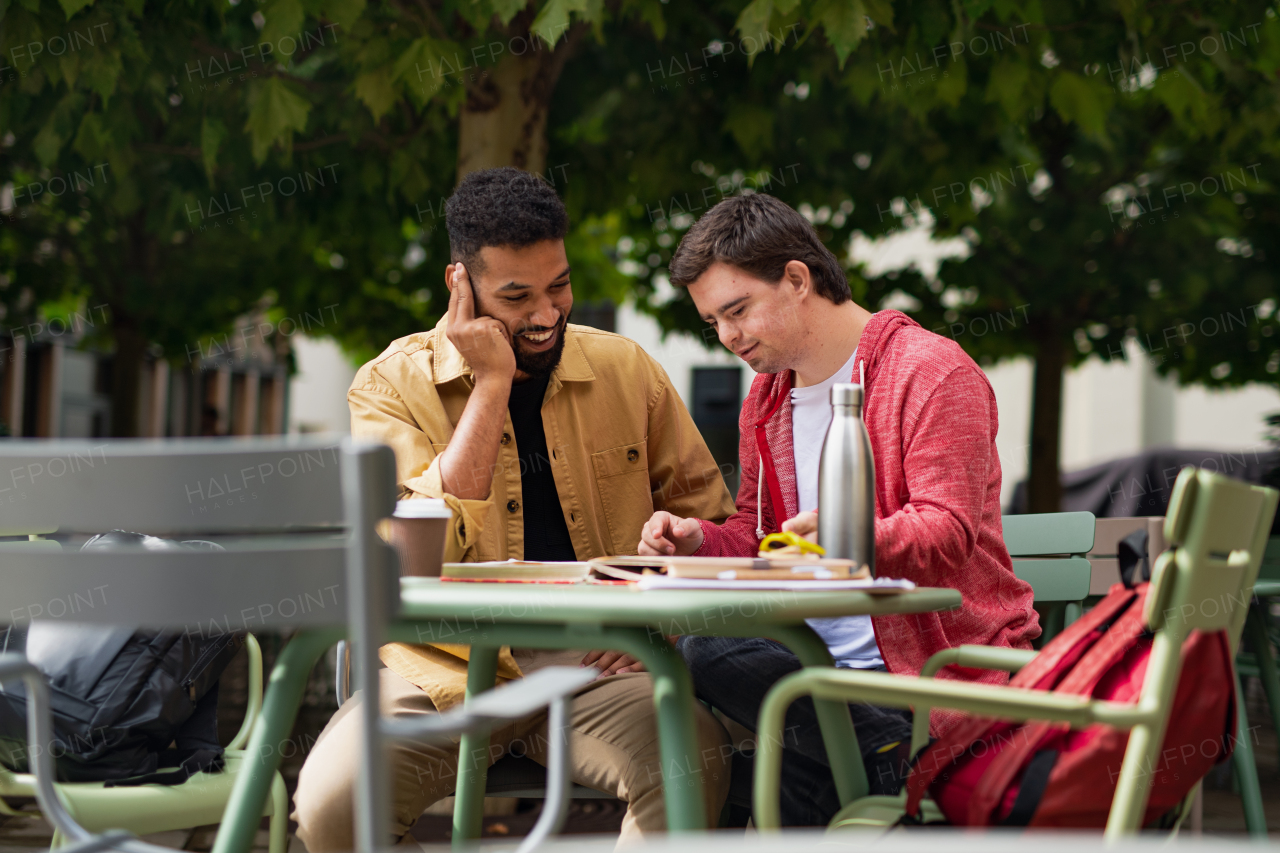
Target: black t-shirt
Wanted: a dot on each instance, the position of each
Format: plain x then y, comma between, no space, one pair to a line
546,535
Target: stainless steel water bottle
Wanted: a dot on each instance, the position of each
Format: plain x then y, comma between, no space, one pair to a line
847,483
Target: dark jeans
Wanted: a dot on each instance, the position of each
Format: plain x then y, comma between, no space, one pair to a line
733,675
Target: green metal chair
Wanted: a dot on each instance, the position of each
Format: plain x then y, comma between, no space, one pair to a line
1220,527
1048,552
1259,662
286,490
1260,631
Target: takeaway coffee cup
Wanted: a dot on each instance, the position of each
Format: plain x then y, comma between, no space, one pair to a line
417,533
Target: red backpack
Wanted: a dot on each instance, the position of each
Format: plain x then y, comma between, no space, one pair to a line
991,773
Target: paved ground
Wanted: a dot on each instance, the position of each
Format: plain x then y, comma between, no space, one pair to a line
1222,811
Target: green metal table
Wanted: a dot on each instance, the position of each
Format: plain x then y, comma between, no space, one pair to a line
488,616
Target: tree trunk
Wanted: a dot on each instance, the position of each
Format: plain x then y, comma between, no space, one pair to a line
126,378
504,119
1044,483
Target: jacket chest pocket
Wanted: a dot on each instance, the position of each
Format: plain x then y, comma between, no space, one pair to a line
622,478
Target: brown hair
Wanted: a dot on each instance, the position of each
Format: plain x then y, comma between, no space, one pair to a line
758,234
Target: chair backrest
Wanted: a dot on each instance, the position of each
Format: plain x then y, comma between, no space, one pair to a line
1048,533
1270,568
167,487
277,506
1048,552
1218,527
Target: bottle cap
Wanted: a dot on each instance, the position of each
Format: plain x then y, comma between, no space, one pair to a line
843,394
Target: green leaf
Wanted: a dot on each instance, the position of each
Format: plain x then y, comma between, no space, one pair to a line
754,21
651,14
508,9
343,12
1083,101
553,21
752,128
954,83
102,68
32,6
48,143
844,22
407,176
1007,87
421,69
212,132
69,65
93,141
1186,101
276,111
73,6
284,18
375,90
880,11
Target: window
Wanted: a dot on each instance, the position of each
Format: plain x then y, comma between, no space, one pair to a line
717,400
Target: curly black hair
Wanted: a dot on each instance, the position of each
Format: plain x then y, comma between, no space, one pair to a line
502,207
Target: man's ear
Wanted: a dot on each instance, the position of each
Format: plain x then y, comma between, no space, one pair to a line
796,274
448,276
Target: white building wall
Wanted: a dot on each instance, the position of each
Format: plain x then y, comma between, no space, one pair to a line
318,392
1120,409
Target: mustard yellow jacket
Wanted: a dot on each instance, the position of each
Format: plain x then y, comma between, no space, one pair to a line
621,442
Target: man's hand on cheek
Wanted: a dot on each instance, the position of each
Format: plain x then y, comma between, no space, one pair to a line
483,341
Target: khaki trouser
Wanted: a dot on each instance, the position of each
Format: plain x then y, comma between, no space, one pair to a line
613,748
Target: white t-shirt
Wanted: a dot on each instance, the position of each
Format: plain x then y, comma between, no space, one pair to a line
850,639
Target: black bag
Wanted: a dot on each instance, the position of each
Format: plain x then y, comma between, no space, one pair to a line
129,706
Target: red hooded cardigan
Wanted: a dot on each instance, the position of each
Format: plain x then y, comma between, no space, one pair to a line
931,415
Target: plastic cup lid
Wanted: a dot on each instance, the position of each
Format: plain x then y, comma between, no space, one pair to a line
423,508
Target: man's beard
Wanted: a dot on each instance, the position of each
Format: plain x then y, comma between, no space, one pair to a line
540,364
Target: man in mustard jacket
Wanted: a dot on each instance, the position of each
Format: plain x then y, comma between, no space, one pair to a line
549,441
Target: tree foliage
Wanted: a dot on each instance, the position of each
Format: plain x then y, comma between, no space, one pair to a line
296,154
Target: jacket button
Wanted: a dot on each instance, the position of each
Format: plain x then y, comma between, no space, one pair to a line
633,455
512,506
506,439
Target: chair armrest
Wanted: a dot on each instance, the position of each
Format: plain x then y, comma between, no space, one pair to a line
554,687
979,657
972,657
254,707
1267,589
510,702
15,667
899,691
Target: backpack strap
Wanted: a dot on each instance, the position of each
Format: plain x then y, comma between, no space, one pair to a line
1034,781
1118,600
1131,554
1033,737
